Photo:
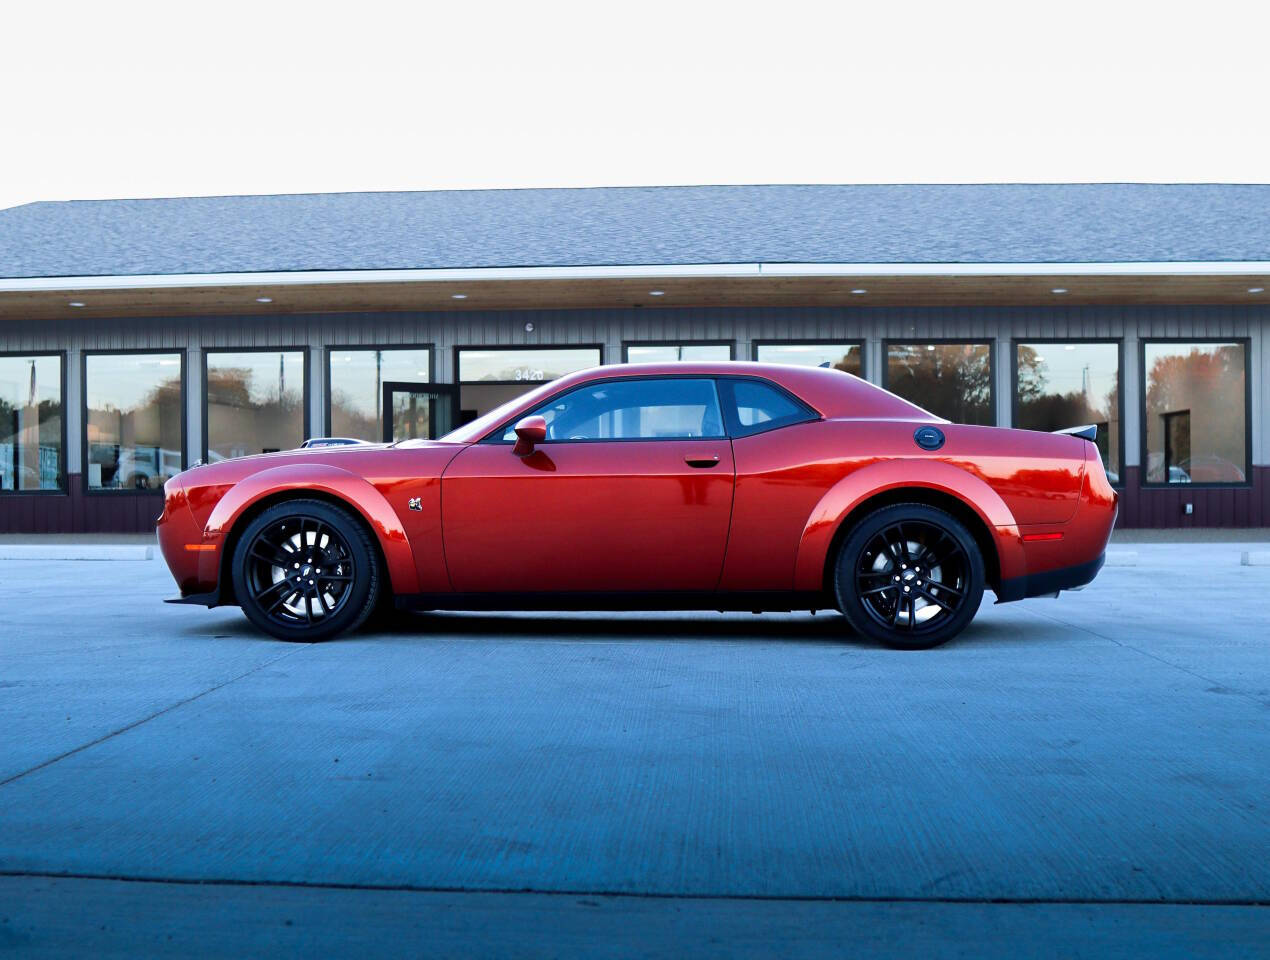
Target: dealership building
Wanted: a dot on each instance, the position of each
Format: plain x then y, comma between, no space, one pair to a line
140,336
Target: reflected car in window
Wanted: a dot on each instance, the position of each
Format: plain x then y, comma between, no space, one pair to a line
682,485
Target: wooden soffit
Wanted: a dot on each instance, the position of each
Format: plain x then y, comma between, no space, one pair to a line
567,293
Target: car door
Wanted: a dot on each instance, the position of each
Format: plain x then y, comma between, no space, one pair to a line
630,492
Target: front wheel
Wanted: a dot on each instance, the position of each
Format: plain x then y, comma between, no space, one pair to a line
910,576
306,570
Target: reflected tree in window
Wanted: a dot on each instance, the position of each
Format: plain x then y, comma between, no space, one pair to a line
846,357
1063,385
357,378
951,380
31,423
1195,413
135,426
255,403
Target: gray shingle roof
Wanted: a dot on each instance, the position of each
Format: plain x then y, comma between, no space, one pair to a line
999,223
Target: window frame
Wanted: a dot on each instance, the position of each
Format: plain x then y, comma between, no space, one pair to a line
812,342
353,348
627,344
529,384
1246,466
308,387
496,436
923,341
183,353
737,431
1014,385
64,488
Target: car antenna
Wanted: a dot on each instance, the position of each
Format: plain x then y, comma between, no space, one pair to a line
827,363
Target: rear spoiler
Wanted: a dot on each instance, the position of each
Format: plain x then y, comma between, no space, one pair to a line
1088,432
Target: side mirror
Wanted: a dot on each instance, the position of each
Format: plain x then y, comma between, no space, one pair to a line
529,431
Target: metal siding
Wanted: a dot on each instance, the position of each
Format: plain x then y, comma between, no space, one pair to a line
612,327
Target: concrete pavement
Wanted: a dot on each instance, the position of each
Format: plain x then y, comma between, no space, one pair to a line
1095,765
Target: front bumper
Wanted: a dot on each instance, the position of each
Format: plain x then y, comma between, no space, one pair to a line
1050,582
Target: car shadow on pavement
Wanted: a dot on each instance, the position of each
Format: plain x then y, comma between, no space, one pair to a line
828,627
824,627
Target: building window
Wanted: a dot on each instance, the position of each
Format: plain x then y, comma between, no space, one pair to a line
356,379
1195,427
951,380
848,357
134,422
255,403
489,378
31,424
672,352
1060,385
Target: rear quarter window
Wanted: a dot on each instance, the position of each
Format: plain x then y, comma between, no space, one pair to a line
755,406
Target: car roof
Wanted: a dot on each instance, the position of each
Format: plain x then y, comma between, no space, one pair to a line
831,393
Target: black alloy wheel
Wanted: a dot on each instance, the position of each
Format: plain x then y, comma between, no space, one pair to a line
305,570
910,576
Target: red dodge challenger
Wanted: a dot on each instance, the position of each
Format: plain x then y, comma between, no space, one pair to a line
716,486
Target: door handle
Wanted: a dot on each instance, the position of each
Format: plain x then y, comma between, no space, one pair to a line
699,461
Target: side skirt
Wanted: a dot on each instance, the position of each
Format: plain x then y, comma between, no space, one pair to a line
765,601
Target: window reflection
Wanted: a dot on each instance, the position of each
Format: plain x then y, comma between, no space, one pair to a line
1064,385
674,352
490,378
255,403
357,379
847,357
31,423
951,380
135,422
1195,413
633,410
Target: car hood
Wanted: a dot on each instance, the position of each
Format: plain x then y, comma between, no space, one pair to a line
362,459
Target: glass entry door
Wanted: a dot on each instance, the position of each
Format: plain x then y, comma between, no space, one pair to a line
419,411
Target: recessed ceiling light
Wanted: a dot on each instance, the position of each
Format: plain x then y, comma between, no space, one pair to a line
656,293
458,296
264,299
1070,346
858,291
1059,290
77,303
1256,289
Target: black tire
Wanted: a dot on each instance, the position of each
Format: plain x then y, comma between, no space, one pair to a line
306,570
910,576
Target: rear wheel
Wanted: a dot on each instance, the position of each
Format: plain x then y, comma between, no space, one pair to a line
910,576
306,570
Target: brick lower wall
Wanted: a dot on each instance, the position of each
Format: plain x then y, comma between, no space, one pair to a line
78,511
1165,507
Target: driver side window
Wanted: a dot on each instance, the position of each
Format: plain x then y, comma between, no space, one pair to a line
674,408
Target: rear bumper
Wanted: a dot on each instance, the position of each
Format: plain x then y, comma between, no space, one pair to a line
1052,581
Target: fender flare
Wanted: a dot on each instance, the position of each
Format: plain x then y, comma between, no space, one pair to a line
355,492
860,485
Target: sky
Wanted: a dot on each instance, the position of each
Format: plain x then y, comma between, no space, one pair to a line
105,100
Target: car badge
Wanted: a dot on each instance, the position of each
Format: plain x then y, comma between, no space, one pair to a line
416,503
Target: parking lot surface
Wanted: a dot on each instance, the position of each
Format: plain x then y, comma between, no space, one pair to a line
1095,766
